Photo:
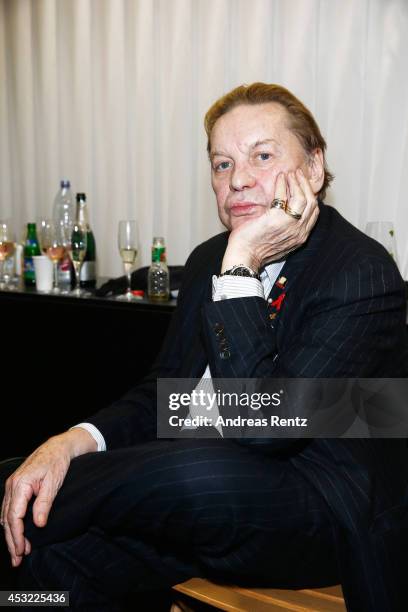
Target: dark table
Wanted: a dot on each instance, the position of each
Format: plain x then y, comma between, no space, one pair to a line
64,358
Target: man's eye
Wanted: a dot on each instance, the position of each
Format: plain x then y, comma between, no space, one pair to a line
264,156
225,165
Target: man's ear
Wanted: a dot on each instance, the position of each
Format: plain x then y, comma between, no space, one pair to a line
316,170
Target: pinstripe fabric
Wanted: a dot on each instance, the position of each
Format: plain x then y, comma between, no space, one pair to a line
310,505
165,511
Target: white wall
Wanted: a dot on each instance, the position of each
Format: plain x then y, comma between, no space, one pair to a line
112,94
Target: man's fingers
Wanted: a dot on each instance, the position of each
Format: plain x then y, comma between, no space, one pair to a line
27,546
15,512
311,199
312,219
297,201
306,187
43,503
15,556
280,187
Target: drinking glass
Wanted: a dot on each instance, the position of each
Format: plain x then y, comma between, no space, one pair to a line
76,249
45,231
383,232
6,250
128,244
56,244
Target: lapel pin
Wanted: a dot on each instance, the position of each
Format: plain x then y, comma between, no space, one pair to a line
278,302
281,282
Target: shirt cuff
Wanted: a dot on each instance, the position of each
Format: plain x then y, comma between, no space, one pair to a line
95,433
228,286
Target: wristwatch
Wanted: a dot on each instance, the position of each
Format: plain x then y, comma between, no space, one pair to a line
241,270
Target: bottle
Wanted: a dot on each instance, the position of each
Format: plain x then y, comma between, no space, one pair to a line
158,277
31,248
88,270
64,214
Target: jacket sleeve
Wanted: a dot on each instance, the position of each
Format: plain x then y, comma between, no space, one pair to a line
132,419
353,326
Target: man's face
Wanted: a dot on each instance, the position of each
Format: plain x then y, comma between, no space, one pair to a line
250,146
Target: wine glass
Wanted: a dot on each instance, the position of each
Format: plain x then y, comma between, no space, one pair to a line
128,244
55,248
6,250
383,232
76,249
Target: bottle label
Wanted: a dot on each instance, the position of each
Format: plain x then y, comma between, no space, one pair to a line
29,272
88,271
64,271
159,253
65,265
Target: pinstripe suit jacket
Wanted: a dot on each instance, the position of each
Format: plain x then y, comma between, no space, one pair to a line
343,315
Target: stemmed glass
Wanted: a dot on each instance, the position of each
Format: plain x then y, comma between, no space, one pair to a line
76,246
54,247
6,250
45,231
128,244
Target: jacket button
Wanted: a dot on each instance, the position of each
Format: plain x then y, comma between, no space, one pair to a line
225,354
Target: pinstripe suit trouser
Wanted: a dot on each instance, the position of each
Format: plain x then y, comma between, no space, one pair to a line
149,516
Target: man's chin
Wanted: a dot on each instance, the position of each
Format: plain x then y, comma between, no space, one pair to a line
240,220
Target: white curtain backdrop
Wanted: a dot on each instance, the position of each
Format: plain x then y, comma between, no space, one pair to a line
111,94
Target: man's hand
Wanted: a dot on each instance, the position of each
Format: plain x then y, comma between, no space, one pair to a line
42,475
274,234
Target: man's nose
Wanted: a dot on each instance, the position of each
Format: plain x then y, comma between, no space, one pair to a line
241,178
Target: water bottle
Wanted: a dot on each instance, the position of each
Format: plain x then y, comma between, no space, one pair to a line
64,214
158,277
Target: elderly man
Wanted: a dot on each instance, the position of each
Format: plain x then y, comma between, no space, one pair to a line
290,290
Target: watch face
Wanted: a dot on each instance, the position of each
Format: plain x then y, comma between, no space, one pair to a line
241,271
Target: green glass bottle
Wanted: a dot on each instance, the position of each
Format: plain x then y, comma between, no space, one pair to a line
88,269
31,248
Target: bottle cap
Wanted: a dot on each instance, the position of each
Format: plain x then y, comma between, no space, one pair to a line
138,293
80,196
65,184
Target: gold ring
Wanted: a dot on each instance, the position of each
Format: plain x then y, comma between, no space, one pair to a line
293,213
279,203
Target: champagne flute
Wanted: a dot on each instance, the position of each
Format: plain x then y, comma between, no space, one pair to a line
6,250
128,244
45,234
56,244
76,250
